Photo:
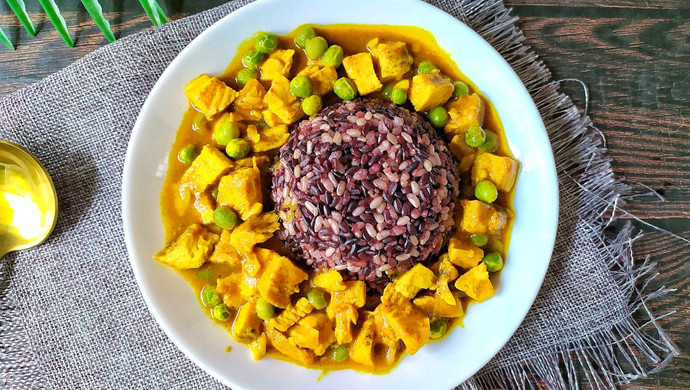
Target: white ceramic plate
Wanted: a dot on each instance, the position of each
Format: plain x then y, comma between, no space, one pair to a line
439,365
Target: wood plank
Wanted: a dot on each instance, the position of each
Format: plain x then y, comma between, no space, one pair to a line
629,4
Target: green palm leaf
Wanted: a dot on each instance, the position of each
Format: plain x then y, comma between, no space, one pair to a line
96,12
19,10
154,12
58,21
5,40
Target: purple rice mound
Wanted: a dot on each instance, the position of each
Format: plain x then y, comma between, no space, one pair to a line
365,187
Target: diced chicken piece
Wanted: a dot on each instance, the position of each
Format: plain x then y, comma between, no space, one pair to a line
282,102
330,280
262,162
392,58
322,78
321,323
225,253
206,168
251,98
271,138
362,349
384,332
499,170
345,317
435,307
204,203
283,345
360,68
271,118
413,280
429,90
402,84
229,289
480,218
258,347
291,315
190,250
355,293
304,337
254,231
464,254
247,325
209,95
463,113
409,323
280,280
241,190
446,273
277,65
392,296
459,148
476,284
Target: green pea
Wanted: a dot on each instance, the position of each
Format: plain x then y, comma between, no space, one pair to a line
426,67
252,59
345,88
221,312
214,193
486,191
493,261
388,89
475,136
187,154
490,143
479,239
226,132
266,43
333,56
460,89
301,86
206,273
398,96
438,328
438,116
312,105
200,122
316,299
316,47
304,34
210,296
245,74
339,353
225,217
238,148
264,309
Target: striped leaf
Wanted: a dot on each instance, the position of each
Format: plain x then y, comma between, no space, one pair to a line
19,10
58,21
96,12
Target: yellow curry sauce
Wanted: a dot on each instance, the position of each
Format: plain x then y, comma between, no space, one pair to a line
177,206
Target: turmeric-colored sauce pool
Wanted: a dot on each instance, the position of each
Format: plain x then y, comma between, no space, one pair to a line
178,212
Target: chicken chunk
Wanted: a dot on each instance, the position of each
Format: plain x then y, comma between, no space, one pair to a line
330,280
463,254
206,168
284,346
250,98
190,250
446,273
254,231
280,280
282,102
225,253
271,138
429,90
499,170
362,349
241,190
475,283
209,95
204,204
321,323
409,323
291,315
360,68
413,280
481,218
229,288
463,113
392,58
435,307
322,78
277,65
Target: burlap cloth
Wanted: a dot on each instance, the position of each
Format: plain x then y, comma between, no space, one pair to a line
71,315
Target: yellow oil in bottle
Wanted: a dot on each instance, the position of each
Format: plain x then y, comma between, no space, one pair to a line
28,204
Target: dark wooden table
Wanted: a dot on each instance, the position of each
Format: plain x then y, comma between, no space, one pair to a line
633,54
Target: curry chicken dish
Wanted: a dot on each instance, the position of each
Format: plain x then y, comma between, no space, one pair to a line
339,195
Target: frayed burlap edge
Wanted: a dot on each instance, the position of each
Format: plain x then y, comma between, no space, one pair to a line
631,348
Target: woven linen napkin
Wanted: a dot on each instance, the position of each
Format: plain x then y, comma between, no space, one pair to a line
71,315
